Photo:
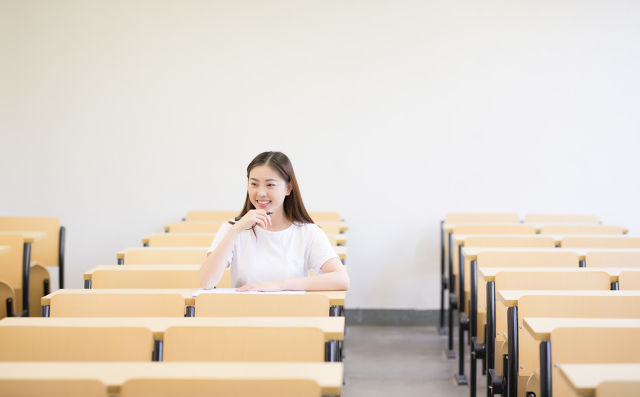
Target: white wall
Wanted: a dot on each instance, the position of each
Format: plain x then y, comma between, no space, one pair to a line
119,116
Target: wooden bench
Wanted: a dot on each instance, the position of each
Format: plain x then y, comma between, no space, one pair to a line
328,375
539,333
148,276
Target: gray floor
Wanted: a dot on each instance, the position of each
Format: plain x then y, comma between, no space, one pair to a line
400,361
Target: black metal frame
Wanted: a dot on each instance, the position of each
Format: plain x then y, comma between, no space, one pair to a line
513,369
463,321
545,368
61,246
158,350
477,349
45,311
87,284
453,300
443,280
190,311
495,383
26,270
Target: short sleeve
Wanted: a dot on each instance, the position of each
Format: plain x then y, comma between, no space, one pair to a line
224,229
320,250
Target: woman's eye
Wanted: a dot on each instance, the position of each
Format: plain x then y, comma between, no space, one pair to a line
271,185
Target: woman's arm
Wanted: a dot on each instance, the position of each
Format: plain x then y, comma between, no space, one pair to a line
334,277
213,267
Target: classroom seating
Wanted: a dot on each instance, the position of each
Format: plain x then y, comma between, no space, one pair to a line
203,215
523,304
629,280
319,216
496,315
44,343
148,276
178,240
582,229
276,305
107,303
329,376
617,388
53,387
48,250
268,344
220,388
194,227
613,258
162,256
561,218
600,241
585,379
591,345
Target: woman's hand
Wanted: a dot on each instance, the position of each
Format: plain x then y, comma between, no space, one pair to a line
252,218
266,286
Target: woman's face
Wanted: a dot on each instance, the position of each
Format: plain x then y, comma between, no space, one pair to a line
267,189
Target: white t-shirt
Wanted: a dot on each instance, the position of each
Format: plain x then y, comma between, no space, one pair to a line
268,256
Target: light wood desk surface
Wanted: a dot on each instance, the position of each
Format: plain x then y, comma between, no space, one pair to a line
4,248
332,327
336,298
113,374
343,226
511,297
472,252
29,237
586,377
489,273
137,268
541,327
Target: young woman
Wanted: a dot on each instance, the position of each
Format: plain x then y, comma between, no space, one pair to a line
274,243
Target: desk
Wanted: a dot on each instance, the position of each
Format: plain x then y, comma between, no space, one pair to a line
4,248
332,327
328,375
583,379
28,237
550,303
535,348
147,276
336,298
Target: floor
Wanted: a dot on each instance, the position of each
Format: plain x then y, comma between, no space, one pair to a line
400,361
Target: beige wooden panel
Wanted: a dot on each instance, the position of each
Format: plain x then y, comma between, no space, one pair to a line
179,239
609,241
241,305
516,241
220,388
11,259
593,345
629,280
163,256
572,306
479,217
325,216
45,250
333,227
52,388
6,291
328,375
618,388
197,215
613,259
42,343
494,229
266,344
581,229
37,275
194,227
116,305
540,281
560,218
149,276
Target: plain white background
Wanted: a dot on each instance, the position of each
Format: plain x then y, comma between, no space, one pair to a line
119,116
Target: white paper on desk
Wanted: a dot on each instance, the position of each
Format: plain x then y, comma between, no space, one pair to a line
233,291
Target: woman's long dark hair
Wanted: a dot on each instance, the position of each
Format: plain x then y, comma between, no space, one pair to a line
294,208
